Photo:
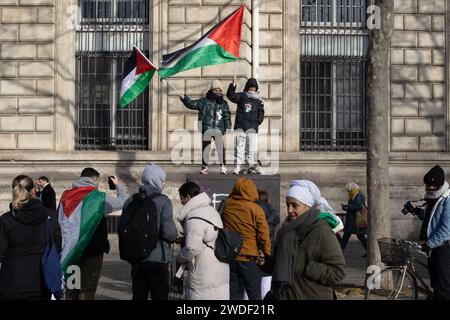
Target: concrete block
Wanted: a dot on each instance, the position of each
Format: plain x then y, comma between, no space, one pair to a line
276,21
270,38
403,73
418,22
418,126
432,39
397,57
404,108
397,91
404,143
418,91
431,6
435,74
8,69
17,51
175,122
17,87
7,141
16,123
276,56
36,32
36,69
45,51
204,14
404,39
8,105
263,56
418,57
271,6
9,32
397,125
35,141
273,108
432,108
271,73
438,91
439,127
45,87
398,22
439,57
405,6
19,15
275,90
432,143
36,105
37,2
46,15
184,32
176,15
438,23
44,123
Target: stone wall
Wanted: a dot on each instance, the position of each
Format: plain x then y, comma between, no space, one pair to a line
27,34
418,75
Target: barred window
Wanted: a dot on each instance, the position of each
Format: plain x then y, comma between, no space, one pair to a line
108,31
334,44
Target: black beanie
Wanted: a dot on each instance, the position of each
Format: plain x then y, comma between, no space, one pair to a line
435,177
251,83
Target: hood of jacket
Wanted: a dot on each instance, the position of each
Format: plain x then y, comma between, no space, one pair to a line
84,182
153,179
199,201
252,82
31,213
245,189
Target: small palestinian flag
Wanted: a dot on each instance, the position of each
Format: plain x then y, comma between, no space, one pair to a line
218,45
137,73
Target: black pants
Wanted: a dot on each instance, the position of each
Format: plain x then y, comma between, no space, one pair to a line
150,277
220,151
44,295
439,268
361,237
245,275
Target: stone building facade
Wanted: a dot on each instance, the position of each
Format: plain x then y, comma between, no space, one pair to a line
41,93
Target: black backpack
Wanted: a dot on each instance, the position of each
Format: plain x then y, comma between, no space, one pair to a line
228,243
138,229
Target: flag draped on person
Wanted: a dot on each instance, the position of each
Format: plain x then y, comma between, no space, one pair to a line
137,73
218,45
80,213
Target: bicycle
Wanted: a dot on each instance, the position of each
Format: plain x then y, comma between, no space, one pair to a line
398,280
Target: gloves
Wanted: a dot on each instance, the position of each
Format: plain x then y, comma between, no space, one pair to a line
425,248
408,206
182,98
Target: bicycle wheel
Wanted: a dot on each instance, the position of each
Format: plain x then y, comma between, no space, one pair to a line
391,285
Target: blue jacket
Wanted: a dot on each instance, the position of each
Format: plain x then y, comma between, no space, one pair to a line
439,227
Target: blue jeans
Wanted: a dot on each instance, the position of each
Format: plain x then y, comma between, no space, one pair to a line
245,275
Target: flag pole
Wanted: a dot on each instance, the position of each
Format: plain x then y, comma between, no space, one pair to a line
181,95
235,70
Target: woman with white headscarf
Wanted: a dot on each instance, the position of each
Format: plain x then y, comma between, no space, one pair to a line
307,260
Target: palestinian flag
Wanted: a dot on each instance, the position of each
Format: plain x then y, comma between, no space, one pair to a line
218,45
80,212
137,73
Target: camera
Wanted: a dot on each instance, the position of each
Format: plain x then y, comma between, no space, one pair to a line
408,208
111,184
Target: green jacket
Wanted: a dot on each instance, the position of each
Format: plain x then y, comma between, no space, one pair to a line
320,265
211,114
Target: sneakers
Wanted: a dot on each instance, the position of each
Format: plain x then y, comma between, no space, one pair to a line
204,170
237,170
223,170
252,170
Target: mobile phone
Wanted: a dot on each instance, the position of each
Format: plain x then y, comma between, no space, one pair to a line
111,184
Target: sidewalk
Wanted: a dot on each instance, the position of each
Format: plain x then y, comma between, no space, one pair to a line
115,283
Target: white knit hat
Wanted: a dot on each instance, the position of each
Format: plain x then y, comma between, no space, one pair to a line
216,84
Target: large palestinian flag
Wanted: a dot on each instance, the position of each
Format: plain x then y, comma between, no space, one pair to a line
137,73
80,213
218,45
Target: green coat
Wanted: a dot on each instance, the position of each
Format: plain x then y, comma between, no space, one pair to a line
320,265
211,114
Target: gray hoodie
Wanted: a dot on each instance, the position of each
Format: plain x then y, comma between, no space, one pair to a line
111,203
153,179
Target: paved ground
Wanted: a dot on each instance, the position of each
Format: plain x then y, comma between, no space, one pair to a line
115,283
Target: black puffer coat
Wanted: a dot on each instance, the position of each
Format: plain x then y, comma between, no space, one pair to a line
212,114
250,108
22,243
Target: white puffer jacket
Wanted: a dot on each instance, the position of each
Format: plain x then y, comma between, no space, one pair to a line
208,278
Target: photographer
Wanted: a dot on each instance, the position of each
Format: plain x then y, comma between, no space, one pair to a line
435,230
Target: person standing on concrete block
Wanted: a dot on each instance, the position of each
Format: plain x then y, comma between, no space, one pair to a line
215,118
46,194
152,274
241,214
249,116
82,216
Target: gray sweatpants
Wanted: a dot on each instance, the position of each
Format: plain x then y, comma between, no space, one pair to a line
246,143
